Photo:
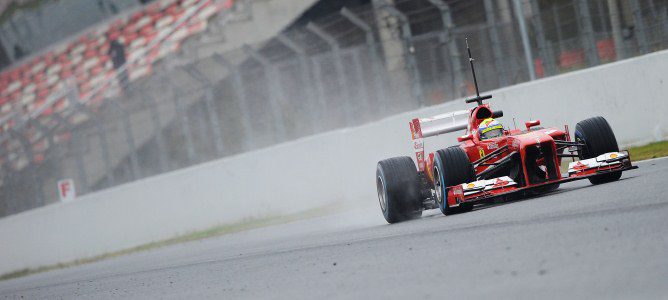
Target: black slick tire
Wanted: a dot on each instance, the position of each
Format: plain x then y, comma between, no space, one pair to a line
398,187
451,167
599,139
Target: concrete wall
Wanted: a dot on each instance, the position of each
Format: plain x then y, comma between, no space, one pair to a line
315,171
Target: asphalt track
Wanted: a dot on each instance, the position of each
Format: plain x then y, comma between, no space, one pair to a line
582,241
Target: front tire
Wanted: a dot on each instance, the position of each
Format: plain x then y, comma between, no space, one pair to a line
451,167
599,139
398,187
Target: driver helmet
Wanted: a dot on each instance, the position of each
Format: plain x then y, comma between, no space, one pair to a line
490,128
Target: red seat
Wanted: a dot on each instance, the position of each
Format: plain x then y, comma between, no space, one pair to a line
43,93
136,16
153,7
606,49
569,59
65,73
129,29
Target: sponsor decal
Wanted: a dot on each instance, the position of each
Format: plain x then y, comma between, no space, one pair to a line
614,155
66,190
580,166
470,186
492,146
481,151
499,183
418,144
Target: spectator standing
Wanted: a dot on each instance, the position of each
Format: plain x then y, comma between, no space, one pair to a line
18,52
117,55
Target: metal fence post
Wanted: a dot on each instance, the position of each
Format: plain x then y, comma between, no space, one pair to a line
77,143
376,65
601,15
8,190
663,19
640,30
157,128
338,66
240,92
275,90
104,145
588,38
320,89
616,24
48,135
129,139
519,12
184,120
543,50
448,37
557,26
196,112
77,105
363,90
499,61
30,168
209,102
409,52
311,93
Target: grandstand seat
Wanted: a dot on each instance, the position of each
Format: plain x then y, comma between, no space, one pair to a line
606,49
86,60
569,59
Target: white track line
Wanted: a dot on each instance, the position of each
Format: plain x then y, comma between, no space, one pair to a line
652,159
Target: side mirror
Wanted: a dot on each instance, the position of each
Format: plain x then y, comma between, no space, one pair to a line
530,124
465,138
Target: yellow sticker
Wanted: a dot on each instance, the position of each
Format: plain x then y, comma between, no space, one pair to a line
482,152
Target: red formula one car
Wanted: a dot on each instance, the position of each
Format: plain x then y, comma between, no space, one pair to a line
492,162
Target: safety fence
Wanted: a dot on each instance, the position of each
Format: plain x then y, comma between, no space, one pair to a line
358,64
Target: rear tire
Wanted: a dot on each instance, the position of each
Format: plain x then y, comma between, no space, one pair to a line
451,167
398,187
599,139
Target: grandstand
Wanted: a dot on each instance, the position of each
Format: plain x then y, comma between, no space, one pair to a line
45,97
27,87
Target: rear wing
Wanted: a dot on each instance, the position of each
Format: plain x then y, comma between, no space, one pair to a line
433,126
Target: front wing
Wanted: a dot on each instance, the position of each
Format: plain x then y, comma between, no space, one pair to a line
481,190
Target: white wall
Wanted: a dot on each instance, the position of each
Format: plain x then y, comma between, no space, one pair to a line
315,171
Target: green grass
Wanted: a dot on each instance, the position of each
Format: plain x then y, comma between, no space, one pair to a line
653,150
214,231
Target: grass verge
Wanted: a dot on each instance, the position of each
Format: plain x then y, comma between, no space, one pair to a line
652,150
214,231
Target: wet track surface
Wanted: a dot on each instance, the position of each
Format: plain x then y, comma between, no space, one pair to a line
582,241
